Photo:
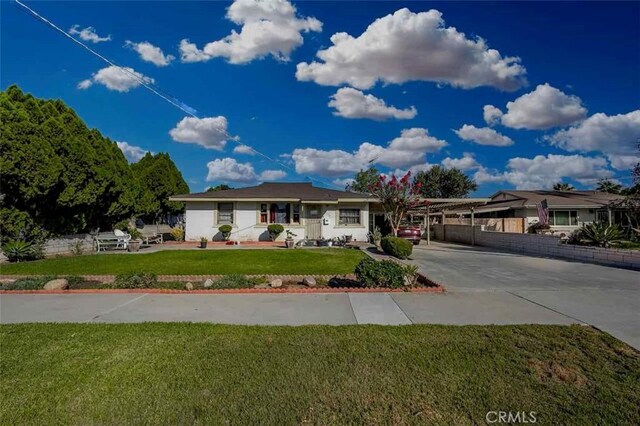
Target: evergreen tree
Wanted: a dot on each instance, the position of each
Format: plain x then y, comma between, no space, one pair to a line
363,180
438,182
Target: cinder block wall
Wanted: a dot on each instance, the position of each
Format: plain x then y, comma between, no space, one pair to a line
538,245
64,245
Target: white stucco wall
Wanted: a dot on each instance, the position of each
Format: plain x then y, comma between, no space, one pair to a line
201,221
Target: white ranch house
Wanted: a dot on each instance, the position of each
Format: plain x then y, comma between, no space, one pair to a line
307,211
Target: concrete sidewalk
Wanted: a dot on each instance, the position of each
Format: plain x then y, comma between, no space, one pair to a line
278,309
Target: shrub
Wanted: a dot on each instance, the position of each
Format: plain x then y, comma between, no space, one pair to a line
33,283
135,280
19,251
275,229
537,226
387,273
135,234
123,225
397,247
598,234
177,234
77,247
225,230
233,281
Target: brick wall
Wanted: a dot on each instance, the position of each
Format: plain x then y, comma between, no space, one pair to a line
538,245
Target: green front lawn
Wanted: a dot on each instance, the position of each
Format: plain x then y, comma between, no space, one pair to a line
195,262
213,374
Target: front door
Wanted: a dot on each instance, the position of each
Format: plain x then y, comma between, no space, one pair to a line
313,221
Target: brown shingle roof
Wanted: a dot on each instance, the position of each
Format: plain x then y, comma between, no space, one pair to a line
515,199
303,191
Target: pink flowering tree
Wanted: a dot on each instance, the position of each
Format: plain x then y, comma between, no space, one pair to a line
397,197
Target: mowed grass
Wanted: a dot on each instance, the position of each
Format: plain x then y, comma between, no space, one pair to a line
195,262
181,373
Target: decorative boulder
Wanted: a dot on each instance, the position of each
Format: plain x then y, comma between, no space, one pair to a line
208,283
275,283
59,284
188,286
309,281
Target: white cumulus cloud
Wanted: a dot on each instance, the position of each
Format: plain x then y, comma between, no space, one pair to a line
483,136
243,149
116,78
88,34
209,132
491,115
544,108
542,172
409,46
229,170
406,150
352,103
465,163
131,152
150,53
269,27
617,136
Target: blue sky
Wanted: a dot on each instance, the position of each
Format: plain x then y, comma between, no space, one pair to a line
409,91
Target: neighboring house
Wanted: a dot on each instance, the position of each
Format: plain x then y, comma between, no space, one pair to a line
307,211
567,209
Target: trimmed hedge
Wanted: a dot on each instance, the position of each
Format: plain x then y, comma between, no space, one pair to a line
386,274
397,247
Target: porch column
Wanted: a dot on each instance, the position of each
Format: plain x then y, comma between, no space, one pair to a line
428,227
609,216
473,230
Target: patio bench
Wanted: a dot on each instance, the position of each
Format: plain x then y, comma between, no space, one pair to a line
111,240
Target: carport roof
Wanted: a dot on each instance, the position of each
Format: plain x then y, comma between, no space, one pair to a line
436,205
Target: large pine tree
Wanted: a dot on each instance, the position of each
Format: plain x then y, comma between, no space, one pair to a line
60,177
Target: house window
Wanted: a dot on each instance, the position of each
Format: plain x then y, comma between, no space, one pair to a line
563,217
349,217
225,212
279,213
296,213
264,215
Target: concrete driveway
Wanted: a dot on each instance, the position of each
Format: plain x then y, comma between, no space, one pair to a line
605,297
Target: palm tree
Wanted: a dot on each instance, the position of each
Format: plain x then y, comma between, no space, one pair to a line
606,185
561,186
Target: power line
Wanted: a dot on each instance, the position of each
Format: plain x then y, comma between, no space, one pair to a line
171,99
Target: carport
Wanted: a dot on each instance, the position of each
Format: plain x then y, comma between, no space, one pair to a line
442,206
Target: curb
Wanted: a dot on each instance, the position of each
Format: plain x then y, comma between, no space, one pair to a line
231,291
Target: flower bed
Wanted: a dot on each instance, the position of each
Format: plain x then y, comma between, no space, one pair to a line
171,284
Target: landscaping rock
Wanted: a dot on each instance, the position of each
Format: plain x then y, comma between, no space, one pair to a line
309,281
7,281
59,284
188,286
275,283
208,283
265,285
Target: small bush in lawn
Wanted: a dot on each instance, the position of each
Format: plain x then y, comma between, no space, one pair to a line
386,273
225,230
33,283
20,251
177,234
136,280
274,230
233,281
397,247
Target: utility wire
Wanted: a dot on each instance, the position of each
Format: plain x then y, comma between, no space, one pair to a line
172,100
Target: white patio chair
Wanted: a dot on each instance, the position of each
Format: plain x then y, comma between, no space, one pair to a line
123,238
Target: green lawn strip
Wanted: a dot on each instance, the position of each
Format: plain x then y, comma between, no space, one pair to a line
180,373
193,262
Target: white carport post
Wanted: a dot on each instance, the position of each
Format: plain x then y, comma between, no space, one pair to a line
473,230
428,227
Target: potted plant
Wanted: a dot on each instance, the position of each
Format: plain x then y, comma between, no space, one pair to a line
275,229
203,243
322,242
136,240
289,240
375,236
225,230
